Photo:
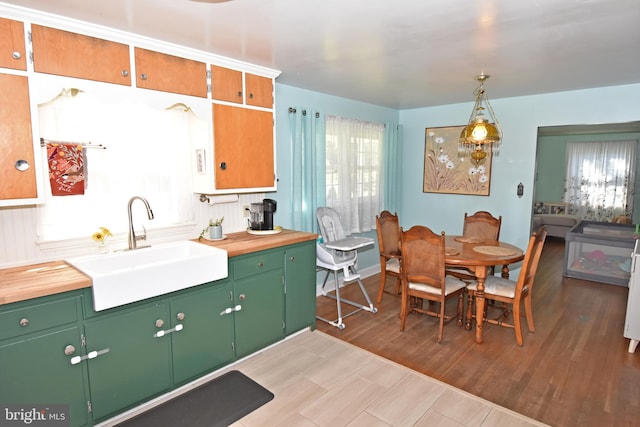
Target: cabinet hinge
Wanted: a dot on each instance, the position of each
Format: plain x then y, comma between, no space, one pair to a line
209,88
233,346
83,340
89,407
30,41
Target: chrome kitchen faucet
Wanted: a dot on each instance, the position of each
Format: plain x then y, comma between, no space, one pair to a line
133,239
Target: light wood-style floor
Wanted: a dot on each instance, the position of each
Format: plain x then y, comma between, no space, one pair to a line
573,371
319,380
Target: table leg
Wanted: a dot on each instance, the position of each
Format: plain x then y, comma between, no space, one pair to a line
481,275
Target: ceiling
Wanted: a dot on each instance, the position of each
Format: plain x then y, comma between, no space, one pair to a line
400,54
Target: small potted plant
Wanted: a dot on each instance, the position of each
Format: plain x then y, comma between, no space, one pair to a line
214,228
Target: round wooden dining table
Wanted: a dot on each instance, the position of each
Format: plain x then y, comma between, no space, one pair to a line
479,257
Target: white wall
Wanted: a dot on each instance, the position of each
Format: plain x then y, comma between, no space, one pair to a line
19,240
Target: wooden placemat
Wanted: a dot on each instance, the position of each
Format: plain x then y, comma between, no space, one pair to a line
470,239
451,251
495,250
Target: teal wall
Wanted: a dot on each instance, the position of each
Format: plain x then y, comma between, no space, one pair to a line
520,118
550,168
289,96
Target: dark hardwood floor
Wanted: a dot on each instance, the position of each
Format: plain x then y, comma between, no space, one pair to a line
573,371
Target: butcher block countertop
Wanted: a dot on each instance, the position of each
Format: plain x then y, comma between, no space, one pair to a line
38,280
244,243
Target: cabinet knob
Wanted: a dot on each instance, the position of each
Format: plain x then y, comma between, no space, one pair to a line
124,73
242,297
240,93
223,165
24,322
180,316
16,55
159,323
260,264
292,259
22,165
69,350
143,76
251,95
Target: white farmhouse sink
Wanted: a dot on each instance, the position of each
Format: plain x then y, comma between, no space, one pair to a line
124,277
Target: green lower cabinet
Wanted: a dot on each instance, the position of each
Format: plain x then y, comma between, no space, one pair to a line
36,371
133,361
260,320
300,286
205,339
39,339
58,350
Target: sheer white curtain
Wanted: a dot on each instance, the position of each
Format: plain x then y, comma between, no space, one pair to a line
600,179
147,155
353,171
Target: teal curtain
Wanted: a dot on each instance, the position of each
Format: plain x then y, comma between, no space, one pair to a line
392,194
307,146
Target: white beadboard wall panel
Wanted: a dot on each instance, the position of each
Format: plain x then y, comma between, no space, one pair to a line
18,228
232,212
18,235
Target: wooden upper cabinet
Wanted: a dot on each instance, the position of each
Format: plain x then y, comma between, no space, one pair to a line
12,48
17,164
70,54
243,148
259,90
226,84
168,73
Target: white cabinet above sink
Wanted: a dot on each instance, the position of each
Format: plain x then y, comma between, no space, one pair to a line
124,277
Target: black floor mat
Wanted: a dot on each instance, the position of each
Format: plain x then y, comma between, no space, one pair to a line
219,402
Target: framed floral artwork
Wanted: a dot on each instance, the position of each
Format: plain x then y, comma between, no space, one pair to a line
445,171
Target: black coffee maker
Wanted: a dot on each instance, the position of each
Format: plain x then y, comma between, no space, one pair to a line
261,215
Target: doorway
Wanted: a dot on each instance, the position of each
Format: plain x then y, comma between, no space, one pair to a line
549,185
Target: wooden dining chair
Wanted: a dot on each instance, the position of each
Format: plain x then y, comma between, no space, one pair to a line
423,276
512,293
388,229
479,227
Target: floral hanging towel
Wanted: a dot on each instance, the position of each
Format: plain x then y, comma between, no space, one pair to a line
66,168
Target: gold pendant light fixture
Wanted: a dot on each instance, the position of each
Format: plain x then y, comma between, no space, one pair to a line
482,135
